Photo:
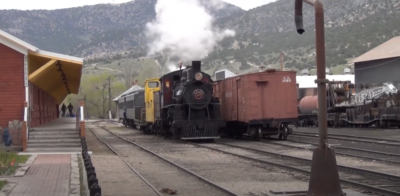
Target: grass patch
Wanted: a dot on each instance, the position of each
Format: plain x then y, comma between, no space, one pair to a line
3,183
82,184
9,162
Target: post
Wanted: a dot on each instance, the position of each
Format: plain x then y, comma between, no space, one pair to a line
25,128
324,179
84,107
82,120
109,97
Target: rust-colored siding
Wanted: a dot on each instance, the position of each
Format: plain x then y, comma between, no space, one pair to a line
258,96
44,107
12,90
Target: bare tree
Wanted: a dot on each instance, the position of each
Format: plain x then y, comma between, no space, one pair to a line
129,74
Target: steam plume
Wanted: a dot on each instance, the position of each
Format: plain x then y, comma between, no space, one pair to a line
183,29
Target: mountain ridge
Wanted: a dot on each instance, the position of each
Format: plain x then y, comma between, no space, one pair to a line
106,33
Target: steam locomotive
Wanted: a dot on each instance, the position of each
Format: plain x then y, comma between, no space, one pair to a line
178,104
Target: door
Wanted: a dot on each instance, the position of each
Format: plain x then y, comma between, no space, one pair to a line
234,100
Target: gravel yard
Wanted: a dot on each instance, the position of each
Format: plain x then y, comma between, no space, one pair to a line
235,174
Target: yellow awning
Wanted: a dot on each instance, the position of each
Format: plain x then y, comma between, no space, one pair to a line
46,73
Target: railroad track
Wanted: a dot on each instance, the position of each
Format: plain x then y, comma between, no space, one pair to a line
345,151
365,179
341,150
191,173
127,163
376,182
352,138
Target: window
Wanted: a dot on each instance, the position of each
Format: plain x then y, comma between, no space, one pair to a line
121,105
139,100
129,104
152,84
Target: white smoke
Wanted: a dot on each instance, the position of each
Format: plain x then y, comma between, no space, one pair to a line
183,29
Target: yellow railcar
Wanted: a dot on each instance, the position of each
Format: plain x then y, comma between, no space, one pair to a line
152,86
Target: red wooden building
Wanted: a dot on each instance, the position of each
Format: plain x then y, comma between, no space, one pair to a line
41,79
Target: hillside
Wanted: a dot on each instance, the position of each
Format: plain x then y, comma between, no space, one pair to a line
95,30
352,28
110,34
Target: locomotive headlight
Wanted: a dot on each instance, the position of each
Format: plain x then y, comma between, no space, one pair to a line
198,76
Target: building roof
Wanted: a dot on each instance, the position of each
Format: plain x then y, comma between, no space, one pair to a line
389,49
44,68
8,40
308,81
133,88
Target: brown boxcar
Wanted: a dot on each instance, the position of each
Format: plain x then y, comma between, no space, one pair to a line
258,104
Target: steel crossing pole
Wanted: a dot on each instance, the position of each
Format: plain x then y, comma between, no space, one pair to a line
324,178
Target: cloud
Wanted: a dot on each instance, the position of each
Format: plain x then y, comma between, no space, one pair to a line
183,29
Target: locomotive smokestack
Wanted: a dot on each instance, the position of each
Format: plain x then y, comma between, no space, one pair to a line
196,66
298,16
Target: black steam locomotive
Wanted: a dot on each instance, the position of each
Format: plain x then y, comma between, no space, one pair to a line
180,104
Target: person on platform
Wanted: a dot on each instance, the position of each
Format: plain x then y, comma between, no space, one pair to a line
70,107
125,118
63,109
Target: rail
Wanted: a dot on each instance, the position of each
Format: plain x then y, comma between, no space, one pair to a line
126,162
173,163
286,161
340,148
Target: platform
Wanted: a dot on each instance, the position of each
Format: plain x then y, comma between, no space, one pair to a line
58,136
47,175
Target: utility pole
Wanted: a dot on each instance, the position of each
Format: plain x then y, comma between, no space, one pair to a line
109,97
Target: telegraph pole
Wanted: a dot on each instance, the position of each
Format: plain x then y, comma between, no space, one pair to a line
109,97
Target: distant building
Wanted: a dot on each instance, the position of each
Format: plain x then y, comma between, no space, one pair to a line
381,64
223,73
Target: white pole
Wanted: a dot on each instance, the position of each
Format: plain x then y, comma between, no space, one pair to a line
82,114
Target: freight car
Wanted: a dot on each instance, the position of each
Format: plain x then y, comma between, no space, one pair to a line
179,104
258,104
350,109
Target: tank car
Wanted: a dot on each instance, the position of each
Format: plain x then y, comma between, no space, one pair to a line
349,109
258,104
181,104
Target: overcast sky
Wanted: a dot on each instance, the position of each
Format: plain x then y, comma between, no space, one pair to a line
56,4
